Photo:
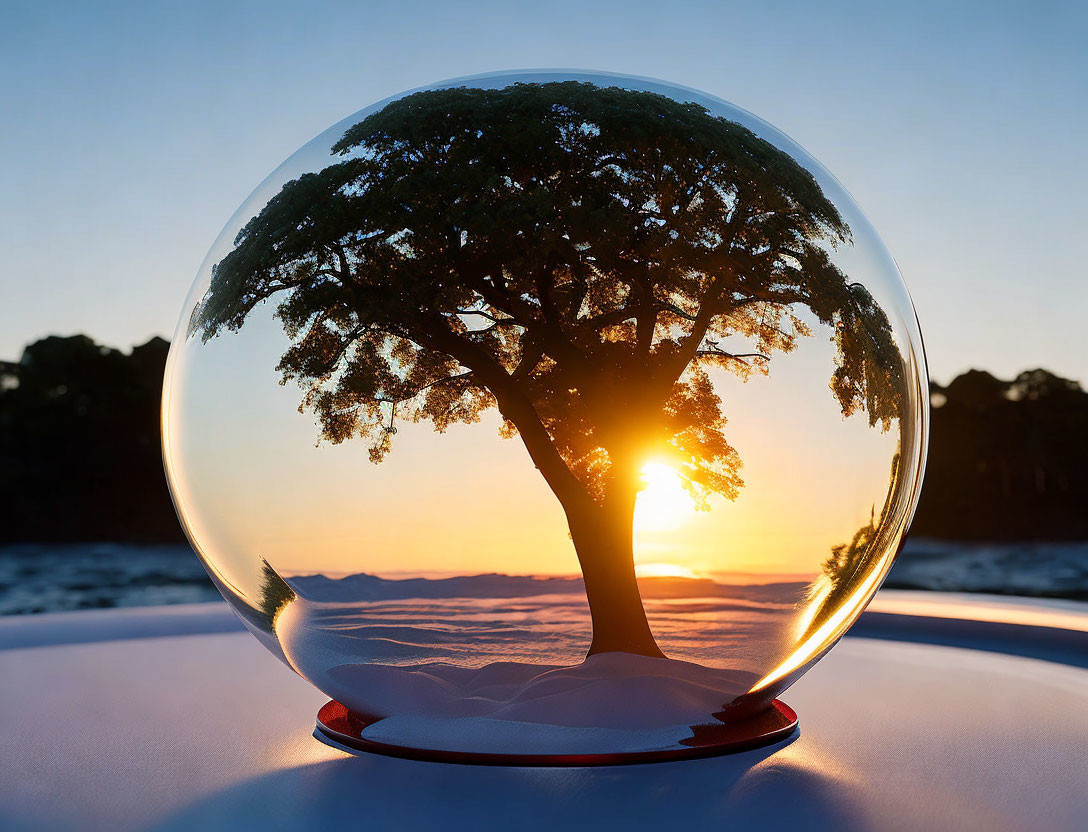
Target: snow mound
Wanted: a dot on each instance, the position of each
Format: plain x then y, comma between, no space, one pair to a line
611,702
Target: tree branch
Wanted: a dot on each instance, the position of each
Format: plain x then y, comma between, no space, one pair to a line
530,360
714,351
607,319
419,390
677,311
515,406
566,355
348,340
483,314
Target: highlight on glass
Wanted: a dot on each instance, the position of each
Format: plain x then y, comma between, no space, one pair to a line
548,413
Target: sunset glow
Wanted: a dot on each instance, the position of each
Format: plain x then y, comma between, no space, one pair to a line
663,503
664,570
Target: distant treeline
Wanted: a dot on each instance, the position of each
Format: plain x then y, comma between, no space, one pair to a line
80,457
1008,460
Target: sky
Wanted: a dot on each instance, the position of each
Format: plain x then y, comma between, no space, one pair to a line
131,132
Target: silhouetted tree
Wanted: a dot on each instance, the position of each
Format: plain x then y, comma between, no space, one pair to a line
275,594
850,563
1007,459
79,444
579,258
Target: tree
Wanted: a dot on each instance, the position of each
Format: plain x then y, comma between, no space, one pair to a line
575,256
80,449
849,564
1007,459
275,594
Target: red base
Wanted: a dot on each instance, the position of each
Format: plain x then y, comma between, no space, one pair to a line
341,728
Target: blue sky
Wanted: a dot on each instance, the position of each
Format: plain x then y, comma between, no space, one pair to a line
130,132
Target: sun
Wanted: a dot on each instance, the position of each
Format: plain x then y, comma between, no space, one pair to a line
664,570
664,503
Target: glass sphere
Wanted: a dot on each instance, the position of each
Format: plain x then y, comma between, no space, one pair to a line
535,410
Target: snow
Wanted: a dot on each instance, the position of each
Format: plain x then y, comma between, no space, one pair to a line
610,702
602,704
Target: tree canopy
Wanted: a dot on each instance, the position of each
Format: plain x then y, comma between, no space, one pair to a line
578,257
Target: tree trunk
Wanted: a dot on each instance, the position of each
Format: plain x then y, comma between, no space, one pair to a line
604,540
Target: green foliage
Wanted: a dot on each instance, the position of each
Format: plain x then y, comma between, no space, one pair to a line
850,559
576,256
275,594
850,563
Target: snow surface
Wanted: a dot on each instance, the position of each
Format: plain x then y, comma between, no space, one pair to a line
503,674
610,702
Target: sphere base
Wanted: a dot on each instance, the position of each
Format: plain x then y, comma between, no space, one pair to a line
341,728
